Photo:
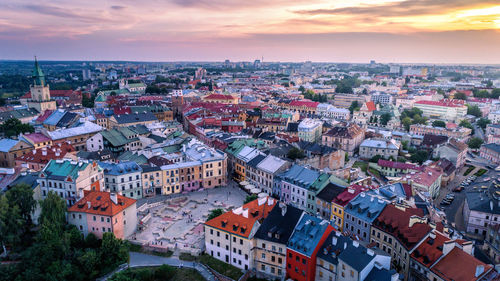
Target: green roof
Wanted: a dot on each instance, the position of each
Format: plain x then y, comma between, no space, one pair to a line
130,156
61,169
116,137
38,76
235,147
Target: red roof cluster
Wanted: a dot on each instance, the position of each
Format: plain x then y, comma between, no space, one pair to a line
458,265
219,97
37,138
240,221
348,194
45,154
100,203
396,221
304,103
397,165
443,102
370,105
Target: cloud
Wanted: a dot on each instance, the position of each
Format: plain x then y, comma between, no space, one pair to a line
61,13
401,9
118,7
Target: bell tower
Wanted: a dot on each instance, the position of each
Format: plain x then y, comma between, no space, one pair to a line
40,92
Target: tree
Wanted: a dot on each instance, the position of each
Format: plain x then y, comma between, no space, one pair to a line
375,158
466,124
475,143
22,196
88,102
11,223
419,156
250,198
354,106
438,123
474,110
406,123
113,252
460,96
53,213
214,213
13,127
295,153
385,118
405,144
495,94
483,122
302,89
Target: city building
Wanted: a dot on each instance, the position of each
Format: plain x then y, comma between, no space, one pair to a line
40,92
385,148
491,152
360,213
230,236
123,178
347,138
303,247
340,202
310,130
271,241
448,110
104,212
68,179
267,169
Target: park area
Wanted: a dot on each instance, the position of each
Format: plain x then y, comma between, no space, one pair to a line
175,223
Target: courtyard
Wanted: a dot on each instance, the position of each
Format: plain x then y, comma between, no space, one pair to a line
175,222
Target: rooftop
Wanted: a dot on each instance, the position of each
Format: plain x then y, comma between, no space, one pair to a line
100,203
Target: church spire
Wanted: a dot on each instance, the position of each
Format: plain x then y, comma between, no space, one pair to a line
38,76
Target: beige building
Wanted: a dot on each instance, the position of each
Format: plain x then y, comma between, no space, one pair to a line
40,92
346,137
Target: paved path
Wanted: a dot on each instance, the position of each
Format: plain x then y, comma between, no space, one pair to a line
145,260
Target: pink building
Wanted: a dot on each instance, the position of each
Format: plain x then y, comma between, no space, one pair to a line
99,212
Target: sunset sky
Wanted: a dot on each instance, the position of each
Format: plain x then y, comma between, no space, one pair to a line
436,31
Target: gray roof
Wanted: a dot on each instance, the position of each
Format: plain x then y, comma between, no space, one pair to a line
135,117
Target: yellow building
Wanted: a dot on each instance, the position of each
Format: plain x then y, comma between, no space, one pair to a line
341,201
170,179
152,180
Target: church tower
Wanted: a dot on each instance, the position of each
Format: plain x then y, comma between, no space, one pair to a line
40,92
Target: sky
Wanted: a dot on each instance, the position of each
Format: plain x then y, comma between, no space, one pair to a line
399,31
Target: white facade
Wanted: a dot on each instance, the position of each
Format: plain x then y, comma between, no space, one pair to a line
95,143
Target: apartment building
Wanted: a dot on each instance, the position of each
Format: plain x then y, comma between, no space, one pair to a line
104,212
230,236
123,178
346,137
68,179
310,130
449,110
385,148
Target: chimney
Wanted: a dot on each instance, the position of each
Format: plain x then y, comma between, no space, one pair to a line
448,246
34,151
370,252
89,204
44,152
355,243
334,240
468,248
337,233
113,197
283,209
479,270
345,245
80,193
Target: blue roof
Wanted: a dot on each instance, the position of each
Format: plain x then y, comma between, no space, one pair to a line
300,176
55,117
377,274
120,168
355,256
390,191
307,234
7,144
365,207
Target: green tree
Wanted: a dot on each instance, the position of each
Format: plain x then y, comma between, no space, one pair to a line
466,124
113,252
420,156
475,143
88,102
354,106
21,195
385,118
375,158
13,127
495,93
474,110
215,213
250,198
483,122
295,153
438,123
460,96
405,145
53,213
11,223
406,123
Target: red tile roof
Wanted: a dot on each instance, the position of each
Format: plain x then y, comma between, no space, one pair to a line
430,250
42,117
37,137
348,194
240,221
45,154
304,103
370,105
444,102
397,165
457,265
55,93
426,177
101,204
219,97
396,222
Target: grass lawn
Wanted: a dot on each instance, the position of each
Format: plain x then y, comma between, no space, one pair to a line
480,172
374,172
161,273
362,165
469,170
221,267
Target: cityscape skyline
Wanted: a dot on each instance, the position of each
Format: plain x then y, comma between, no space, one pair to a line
387,31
